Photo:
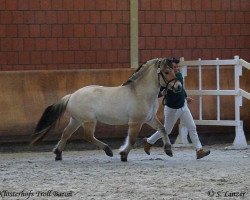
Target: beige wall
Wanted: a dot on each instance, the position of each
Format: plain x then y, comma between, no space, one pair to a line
25,95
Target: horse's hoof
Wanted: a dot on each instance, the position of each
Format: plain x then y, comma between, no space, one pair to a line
108,151
168,151
57,158
58,154
124,157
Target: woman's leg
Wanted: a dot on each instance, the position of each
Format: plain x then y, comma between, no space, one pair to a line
188,121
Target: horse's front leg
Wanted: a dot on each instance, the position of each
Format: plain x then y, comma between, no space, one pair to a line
157,125
133,131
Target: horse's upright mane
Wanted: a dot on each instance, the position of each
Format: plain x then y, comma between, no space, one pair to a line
139,71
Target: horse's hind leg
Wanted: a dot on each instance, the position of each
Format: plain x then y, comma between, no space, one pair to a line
133,131
89,130
68,131
156,124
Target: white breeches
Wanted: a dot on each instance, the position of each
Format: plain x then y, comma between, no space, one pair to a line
171,116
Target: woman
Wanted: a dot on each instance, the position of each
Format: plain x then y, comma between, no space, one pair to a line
176,108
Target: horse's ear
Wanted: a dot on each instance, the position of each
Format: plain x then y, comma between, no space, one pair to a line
170,63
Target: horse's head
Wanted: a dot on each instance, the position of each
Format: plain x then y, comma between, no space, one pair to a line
166,75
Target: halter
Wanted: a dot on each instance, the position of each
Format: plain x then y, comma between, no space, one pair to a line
160,74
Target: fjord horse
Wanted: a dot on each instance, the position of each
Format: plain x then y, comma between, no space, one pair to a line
133,103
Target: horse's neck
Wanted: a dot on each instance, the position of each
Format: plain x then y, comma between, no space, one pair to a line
148,85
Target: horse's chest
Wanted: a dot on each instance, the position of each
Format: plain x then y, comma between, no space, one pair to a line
152,110
145,111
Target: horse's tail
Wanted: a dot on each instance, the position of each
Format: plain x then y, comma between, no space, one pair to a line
49,119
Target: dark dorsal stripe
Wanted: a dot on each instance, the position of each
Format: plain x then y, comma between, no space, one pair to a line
133,77
137,72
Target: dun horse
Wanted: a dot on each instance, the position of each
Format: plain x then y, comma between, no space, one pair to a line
133,103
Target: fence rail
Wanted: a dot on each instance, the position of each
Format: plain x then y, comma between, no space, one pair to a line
245,94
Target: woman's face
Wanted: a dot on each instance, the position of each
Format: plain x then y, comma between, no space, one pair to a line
176,67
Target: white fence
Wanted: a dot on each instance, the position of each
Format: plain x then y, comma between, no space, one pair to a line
238,93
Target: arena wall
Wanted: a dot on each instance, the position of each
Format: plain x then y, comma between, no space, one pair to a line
25,95
88,41
92,34
193,29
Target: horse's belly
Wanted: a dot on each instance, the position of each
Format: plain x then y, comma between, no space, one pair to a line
111,121
112,118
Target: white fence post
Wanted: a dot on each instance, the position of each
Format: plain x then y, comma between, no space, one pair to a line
200,89
218,88
240,139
